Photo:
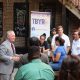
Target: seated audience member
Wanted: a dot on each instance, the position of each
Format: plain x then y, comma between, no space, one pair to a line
35,69
70,69
59,54
24,59
76,43
44,44
33,41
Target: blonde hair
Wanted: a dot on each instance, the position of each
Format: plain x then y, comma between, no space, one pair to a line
5,36
9,32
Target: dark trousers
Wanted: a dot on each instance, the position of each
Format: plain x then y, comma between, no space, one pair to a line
5,77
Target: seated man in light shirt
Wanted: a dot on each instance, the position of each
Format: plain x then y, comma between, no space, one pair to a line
33,41
63,36
76,43
35,69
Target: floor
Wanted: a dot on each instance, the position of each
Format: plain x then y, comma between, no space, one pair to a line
15,70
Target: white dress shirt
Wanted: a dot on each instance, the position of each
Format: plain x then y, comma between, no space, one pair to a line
76,47
65,37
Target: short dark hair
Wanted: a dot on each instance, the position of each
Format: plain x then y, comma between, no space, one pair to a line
60,40
54,29
34,52
70,69
34,41
59,26
76,30
43,36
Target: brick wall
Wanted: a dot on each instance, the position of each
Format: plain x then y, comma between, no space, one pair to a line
8,19
7,15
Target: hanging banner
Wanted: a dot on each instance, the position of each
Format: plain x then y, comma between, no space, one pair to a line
40,23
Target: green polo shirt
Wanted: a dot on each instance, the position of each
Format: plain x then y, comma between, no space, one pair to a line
35,70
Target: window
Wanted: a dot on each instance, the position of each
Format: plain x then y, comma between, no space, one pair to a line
20,19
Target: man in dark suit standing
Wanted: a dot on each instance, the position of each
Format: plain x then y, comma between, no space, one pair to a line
7,56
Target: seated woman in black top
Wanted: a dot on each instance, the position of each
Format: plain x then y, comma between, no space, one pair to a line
43,44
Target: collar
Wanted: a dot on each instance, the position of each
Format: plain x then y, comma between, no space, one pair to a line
36,61
77,39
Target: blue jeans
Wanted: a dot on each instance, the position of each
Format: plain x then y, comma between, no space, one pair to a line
55,65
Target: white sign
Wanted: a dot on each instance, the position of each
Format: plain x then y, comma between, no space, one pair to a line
40,23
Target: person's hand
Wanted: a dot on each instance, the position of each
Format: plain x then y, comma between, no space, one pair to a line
15,58
51,54
43,50
18,55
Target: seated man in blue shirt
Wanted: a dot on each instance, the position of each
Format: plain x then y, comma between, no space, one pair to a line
35,69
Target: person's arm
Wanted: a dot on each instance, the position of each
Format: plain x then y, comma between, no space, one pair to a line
56,58
68,45
53,45
44,58
3,56
24,59
46,48
68,49
57,54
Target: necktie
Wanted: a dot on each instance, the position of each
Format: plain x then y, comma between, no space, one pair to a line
12,47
